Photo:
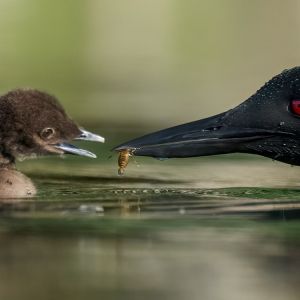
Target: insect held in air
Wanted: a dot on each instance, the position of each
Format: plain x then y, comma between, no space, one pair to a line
123,160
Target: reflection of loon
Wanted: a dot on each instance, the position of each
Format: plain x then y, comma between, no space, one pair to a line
33,123
268,124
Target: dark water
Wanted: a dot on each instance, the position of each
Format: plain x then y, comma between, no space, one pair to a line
215,228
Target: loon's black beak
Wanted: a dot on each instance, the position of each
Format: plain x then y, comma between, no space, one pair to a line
84,136
204,137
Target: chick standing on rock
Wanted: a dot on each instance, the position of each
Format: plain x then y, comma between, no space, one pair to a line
33,123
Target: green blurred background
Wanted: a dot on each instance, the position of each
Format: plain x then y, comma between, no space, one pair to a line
213,228
146,64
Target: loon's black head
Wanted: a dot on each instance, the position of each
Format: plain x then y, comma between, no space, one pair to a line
268,124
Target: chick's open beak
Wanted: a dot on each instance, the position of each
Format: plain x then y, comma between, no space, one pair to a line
84,136
88,136
71,149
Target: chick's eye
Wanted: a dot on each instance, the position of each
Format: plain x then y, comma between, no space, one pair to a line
295,107
47,133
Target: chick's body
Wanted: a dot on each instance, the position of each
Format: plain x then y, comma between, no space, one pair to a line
33,123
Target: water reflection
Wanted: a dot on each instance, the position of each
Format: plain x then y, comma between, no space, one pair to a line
198,263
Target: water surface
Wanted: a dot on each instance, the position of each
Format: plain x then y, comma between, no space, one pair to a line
209,228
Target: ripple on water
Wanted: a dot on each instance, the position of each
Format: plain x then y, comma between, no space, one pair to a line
159,202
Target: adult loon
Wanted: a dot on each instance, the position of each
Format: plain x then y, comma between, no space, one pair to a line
267,124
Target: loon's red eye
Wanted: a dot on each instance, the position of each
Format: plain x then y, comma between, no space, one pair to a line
295,107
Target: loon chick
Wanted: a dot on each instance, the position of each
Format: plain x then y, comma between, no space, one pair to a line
33,123
267,124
